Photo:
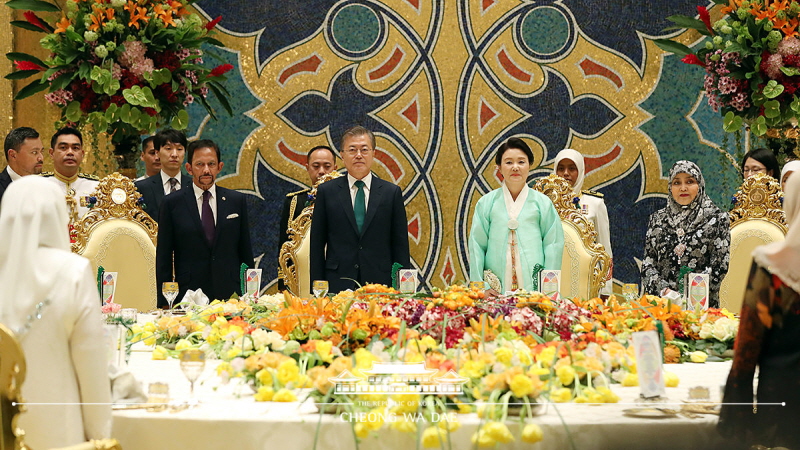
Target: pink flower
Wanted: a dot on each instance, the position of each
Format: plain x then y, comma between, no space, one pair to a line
110,308
789,46
772,65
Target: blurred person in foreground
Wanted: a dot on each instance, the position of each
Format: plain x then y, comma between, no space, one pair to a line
788,169
49,299
769,332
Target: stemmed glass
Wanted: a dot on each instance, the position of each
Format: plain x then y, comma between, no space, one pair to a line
170,291
193,361
320,288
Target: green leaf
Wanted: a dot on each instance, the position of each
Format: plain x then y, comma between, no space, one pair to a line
181,120
111,112
689,22
140,96
29,26
673,47
33,87
731,122
772,109
32,5
73,112
213,41
61,81
790,71
223,100
795,105
773,89
16,56
21,74
125,113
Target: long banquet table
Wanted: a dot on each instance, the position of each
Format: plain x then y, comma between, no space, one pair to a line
228,417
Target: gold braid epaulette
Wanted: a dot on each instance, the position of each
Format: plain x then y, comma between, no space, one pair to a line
592,193
47,174
297,192
88,176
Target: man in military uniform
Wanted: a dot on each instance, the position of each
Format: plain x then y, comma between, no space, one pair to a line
66,149
320,160
149,156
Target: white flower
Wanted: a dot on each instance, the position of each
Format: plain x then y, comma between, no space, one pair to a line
263,339
271,300
724,329
705,330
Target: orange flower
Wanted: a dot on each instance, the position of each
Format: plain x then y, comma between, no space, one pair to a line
178,9
137,13
62,25
790,29
166,16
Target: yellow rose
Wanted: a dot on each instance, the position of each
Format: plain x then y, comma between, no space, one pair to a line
264,394
183,344
232,352
449,424
566,375
288,371
213,337
324,350
464,408
361,430
472,369
160,353
149,338
499,432
150,326
521,386
483,439
532,433
264,377
561,395
427,343
494,381
284,395
504,355
374,419
434,437
403,425
546,356
364,358
671,380
220,322
698,357
608,395
631,379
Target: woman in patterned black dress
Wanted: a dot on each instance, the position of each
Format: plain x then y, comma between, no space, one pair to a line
690,232
769,337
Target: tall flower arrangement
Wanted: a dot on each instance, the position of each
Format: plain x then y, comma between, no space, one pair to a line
126,67
752,61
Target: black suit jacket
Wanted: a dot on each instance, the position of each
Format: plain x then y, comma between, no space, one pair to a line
152,191
299,199
199,264
338,251
5,180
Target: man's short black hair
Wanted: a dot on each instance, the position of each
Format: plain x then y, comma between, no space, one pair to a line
202,143
168,135
357,131
66,131
320,147
16,138
148,140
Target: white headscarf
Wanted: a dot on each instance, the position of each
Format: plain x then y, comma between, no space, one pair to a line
577,158
791,166
783,258
33,226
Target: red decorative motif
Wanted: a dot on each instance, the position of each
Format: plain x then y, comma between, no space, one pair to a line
412,113
592,68
310,64
388,66
592,163
486,114
291,155
512,68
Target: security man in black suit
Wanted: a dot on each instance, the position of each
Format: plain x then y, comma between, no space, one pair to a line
359,229
171,146
205,229
25,154
320,160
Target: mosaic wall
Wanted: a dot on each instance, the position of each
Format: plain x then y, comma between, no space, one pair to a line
442,84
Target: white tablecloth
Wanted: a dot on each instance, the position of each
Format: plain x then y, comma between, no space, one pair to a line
229,418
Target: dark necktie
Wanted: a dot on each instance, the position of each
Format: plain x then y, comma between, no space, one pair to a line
360,206
172,185
207,217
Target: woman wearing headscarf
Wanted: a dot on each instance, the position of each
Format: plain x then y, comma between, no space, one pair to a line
788,169
690,232
569,165
49,299
769,330
514,228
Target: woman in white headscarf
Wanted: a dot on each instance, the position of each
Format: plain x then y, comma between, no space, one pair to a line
569,165
788,169
49,299
769,330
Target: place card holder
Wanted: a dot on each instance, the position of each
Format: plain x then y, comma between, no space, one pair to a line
109,286
697,290
408,281
253,282
550,282
647,346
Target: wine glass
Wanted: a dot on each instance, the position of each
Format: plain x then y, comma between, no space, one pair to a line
320,288
193,361
170,291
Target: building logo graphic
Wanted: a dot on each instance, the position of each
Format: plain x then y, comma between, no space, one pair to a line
398,378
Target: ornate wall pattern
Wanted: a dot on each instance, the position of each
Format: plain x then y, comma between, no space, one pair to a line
442,84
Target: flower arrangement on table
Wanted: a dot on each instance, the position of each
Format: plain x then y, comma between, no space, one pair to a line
752,61
125,67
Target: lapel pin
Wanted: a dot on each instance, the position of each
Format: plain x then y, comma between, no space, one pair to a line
223,198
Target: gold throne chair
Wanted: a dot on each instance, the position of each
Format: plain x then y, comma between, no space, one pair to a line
585,263
756,219
119,236
293,260
12,375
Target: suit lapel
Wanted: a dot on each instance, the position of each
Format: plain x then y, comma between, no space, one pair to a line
158,188
375,193
186,181
194,214
223,209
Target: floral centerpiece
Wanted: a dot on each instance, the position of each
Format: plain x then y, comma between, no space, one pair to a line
752,61
124,67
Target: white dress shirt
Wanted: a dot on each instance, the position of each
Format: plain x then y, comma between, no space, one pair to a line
165,182
14,175
198,194
351,180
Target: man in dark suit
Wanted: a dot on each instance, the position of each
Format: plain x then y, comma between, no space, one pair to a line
320,160
205,229
171,146
359,229
24,152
